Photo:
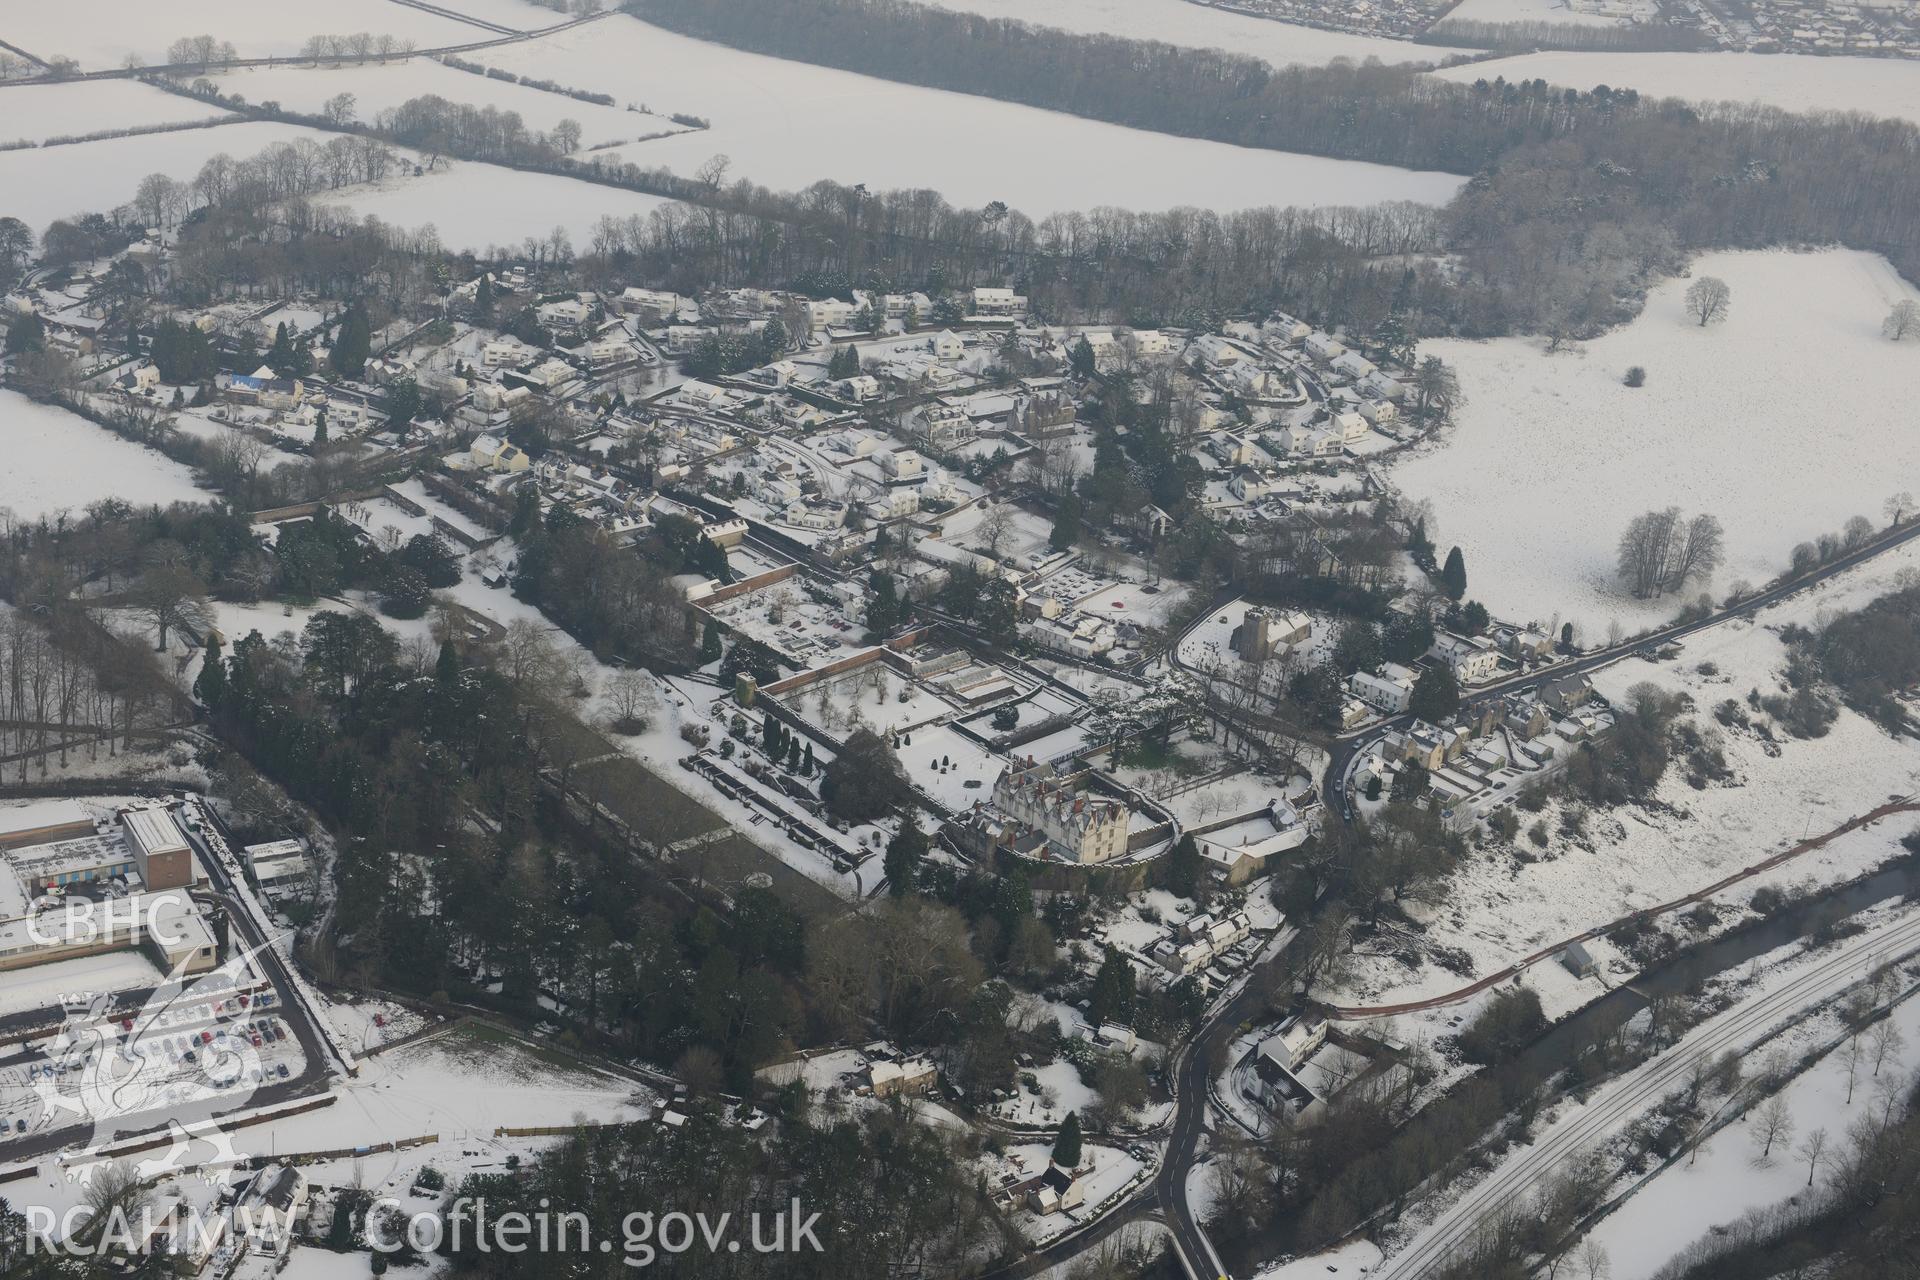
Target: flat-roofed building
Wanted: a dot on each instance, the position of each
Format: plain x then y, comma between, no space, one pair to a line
160,851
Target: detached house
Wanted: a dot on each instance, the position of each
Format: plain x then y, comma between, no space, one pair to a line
1353,364
1473,658
998,302
492,453
1324,346
1389,690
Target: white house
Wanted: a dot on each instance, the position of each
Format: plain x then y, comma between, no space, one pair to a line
649,302
776,490
1473,658
998,302
1211,348
1150,342
1254,383
903,464
504,353
609,351
860,387
828,313
1380,413
1286,330
1389,690
947,345
1350,427
1249,486
893,503
566,314
1382,384
943,426
1324,346
1353,364
551,373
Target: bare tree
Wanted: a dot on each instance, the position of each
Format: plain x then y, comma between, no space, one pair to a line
631,695
1697,554
1241,1185
1709,299
1903,321
115,1188
1897,506
1661,552
1773,1123
1645,549
169,596
1813,1149
1593,1261
996,526
1887,1043
1851,1057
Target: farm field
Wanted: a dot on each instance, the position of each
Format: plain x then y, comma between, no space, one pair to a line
60,462
787,125
1776,420
1877,86
1554,11
380,87
474,205
103,34
1200,26
41,111
96,177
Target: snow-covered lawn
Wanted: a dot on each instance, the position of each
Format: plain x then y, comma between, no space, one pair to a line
379,87
1357,1258
1794,82
58,461
873,695
788,124
1179,22
967,763
41,111
1724,1180
97,177
464,1083
100,34
475,205
1784,421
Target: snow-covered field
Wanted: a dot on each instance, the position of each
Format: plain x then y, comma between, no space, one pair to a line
41,111
1725,1180
1554,11
96,177
58,461
1794,82
102,34
475,205
1500,909
1784,421
789,124
379,87
1182,23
